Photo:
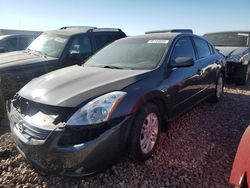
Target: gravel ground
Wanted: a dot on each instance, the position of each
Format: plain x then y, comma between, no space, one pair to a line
197,151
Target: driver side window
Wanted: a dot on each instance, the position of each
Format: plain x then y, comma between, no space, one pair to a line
80,45
183,48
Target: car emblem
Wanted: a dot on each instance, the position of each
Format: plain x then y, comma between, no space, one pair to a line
20,127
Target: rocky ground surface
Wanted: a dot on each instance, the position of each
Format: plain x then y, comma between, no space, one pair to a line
197,151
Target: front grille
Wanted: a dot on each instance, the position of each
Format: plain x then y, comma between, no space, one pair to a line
28,107
22,107
35,132
27,130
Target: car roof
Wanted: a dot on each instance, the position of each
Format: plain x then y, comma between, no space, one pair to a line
221,32
171,31
74,30
156,36
159,36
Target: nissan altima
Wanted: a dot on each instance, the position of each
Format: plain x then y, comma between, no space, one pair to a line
78,120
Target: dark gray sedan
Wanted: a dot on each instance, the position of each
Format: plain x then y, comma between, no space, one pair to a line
235,46
77,120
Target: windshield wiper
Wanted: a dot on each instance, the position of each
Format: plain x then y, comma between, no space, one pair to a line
30,51
112,67
27,50
43,54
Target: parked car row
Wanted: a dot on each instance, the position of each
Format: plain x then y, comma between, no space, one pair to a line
9,43
235,46
77,120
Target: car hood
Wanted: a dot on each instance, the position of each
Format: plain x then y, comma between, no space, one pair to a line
71,86
12,59
228,51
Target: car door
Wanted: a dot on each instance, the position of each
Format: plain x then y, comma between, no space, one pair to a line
183,82
206,63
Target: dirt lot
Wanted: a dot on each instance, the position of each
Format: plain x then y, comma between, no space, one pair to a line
197,151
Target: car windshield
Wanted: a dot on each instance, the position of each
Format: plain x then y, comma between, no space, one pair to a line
240,39
48,44
130,54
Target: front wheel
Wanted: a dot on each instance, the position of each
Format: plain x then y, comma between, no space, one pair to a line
219,89
145,132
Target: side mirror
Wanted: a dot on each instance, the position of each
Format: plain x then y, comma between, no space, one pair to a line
2,49
182,62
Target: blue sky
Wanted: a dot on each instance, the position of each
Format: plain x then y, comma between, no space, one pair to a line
133,16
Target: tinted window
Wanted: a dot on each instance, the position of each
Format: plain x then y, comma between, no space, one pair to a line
183,48
202,48
11,44
102,40
80,45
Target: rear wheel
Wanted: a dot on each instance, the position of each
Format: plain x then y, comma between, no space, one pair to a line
245,72
145,132
219,90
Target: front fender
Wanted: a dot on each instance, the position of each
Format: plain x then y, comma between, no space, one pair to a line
133,102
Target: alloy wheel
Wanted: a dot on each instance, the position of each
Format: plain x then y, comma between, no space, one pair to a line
149,133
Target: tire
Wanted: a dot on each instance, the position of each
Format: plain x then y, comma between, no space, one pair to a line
245,72
143,137
219,89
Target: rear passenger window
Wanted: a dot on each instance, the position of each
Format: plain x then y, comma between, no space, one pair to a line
183,48
202,48
102,40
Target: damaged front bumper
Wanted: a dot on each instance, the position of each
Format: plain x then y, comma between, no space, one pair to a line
234,69
62,150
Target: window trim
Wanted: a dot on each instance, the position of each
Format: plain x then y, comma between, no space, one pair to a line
211,48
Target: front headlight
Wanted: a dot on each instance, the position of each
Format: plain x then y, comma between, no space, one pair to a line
98,110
